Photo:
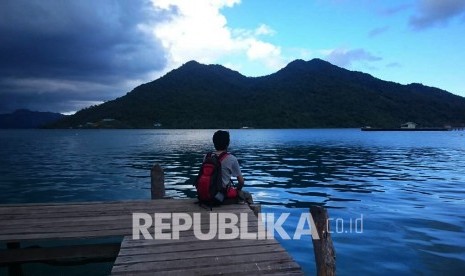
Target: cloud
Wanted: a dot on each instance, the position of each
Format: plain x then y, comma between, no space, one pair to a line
75,51
394,65
267,53
395,9
261,50
66,55
377,31
264,29
41,93
433,13
199,31
345,58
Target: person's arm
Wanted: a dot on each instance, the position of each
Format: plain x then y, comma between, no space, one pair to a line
236,171
240,182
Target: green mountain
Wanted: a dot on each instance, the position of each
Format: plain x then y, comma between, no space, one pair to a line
304,94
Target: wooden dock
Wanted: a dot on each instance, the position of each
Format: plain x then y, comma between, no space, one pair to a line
186,255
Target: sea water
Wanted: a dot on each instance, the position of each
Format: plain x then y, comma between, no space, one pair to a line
408,187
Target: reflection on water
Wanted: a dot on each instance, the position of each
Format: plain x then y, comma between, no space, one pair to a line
408,186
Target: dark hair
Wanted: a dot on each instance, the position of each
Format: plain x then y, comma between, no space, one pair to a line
221,140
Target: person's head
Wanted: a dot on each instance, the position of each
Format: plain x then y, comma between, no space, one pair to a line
221,140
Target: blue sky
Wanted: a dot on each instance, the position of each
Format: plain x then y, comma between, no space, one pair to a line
401,41
66,55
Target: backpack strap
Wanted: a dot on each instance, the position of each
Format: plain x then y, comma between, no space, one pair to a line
222,156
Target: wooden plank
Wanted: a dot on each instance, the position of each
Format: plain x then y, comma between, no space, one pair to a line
63,219
193,246
193,254
24,206
37,209
188,255
22,255
69,224
88,233
93,208
63,232
101,211
85,220
230,269
187,264
37,222
97,211
185,237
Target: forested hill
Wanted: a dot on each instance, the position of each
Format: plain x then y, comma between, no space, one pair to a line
23,118
304,94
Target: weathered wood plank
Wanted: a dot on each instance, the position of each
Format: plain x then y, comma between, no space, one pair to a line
264,267
28,207
102,232
147,205
173,257
78,226
185,237
126,220
52,212
193,254
33,209
38,222
105,204
63,220
187,264
194,246
87,233
45,225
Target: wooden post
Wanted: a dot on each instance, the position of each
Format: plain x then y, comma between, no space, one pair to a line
14,269
325,255
157,182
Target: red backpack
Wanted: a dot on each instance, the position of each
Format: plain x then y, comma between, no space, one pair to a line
209,183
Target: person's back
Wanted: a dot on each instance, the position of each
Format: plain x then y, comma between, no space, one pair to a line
229,164
212,189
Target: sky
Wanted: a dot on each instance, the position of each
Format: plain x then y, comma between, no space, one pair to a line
65,55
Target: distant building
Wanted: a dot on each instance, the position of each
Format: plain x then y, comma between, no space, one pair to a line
408,125
108,120
157,125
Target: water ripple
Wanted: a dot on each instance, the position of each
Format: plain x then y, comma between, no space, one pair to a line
408,186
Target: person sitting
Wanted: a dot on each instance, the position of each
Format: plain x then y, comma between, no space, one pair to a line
230,168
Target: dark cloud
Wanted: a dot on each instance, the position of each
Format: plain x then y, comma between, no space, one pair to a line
58,95
345,58
433,13
75,51
46,101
